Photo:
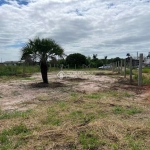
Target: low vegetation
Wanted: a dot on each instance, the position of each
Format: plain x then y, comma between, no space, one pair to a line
18,70
84,121
112,119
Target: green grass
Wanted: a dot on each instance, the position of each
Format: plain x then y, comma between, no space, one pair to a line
16,130
145,79
119,94
17,70
135,144
88,141
63,106
52,118
28,78
76,116
93,121
129,111
94,96
107,94
15,114
146,70
6,142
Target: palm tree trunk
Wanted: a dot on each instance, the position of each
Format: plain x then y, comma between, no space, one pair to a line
44,69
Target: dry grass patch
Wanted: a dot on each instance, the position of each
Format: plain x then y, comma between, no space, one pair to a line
64,119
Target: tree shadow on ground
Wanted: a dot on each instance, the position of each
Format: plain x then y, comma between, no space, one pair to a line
49,85
75,79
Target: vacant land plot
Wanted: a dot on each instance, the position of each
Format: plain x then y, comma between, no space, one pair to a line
81,111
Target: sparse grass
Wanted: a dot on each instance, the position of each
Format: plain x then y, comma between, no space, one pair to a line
94,96
16,130
14,114
17,70
88,140
109,119
145,79
27,78
7,142
52,117
129,111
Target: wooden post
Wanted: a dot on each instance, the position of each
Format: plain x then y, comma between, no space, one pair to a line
140,70
130,69
125,68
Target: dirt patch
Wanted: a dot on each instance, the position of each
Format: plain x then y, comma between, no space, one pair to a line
23,94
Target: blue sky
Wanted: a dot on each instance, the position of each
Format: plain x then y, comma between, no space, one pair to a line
109,28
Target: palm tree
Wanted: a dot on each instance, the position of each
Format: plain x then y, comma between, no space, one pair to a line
105,58
42,50
128,54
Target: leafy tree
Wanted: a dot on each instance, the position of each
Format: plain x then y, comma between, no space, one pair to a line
88,60
42,50
76,59
95,62
116,59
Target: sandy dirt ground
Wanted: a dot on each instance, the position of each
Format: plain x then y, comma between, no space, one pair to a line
23,94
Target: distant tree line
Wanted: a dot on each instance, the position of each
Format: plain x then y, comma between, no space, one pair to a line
78,60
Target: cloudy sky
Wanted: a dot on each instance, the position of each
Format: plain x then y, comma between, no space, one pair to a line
109,28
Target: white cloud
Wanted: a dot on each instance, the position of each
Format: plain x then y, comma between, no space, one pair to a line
105,27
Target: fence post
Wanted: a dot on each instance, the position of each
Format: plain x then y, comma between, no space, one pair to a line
121,67
118,67
130,69
23,69
140,70
125,68
112,67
